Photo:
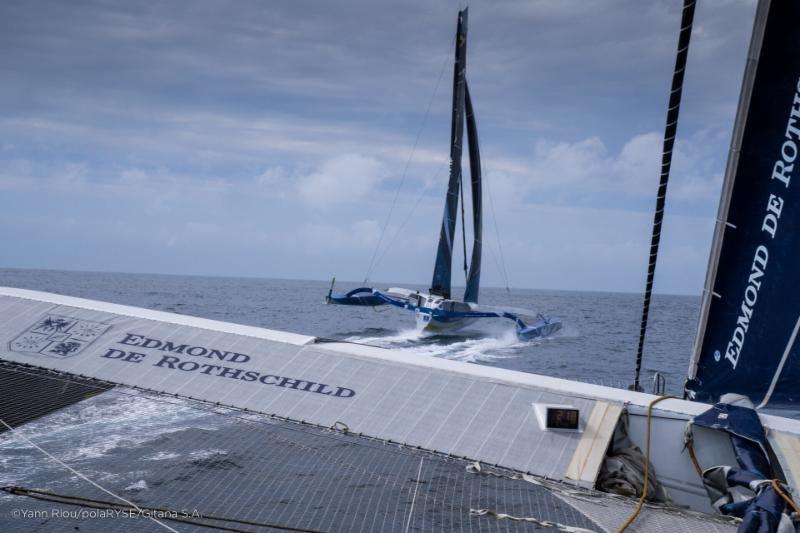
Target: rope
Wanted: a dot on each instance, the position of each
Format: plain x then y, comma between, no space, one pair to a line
666,162
163,512
774,482
640,504
693,457
410,215
784,496
60,462
372,263
503,271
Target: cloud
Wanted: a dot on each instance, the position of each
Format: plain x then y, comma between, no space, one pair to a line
588,166
343,179
273,182
231,147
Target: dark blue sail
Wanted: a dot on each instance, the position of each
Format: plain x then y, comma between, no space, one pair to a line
444,254
750,315
474,276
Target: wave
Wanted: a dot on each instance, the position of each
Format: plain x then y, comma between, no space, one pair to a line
100,426
479,348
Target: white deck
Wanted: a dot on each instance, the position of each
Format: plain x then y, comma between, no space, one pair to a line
478,412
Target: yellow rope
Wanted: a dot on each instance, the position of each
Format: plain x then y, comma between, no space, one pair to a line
639,506
784,496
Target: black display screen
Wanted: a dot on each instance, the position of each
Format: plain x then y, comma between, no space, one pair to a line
562,418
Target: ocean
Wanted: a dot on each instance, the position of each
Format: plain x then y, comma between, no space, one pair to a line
596,345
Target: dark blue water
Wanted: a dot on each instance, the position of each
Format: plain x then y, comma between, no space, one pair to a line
597,345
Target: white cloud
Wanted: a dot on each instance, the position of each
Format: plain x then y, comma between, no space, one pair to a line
273,182
342,179
587,166
559,164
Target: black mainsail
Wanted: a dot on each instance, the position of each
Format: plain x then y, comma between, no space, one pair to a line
462,108
474,276
750,313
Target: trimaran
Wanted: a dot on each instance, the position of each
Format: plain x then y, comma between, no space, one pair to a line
563,437
437,311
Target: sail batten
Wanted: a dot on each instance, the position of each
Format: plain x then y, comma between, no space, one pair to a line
751,305
444,254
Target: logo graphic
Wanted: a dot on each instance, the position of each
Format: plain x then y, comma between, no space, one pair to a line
58,336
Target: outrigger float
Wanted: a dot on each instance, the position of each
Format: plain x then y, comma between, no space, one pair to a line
426,443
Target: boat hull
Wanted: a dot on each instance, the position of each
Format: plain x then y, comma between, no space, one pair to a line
432,325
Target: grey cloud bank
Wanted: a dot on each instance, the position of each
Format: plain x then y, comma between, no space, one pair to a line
269,138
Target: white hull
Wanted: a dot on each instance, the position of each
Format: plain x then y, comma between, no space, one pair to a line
433,326
478,412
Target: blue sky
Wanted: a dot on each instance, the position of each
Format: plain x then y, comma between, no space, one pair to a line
269,139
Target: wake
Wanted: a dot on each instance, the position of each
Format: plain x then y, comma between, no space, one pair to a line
501,344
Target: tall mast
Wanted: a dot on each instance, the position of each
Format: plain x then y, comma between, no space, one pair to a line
444,254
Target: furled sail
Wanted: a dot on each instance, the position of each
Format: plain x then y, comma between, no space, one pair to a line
444,254
750,314
474,276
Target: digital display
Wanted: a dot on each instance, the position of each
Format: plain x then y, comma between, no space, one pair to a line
562,418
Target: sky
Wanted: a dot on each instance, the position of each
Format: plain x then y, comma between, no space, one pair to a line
298,139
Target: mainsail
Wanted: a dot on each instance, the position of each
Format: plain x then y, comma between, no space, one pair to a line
750,313
474,276
462,108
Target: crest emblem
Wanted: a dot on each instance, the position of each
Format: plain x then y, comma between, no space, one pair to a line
58,336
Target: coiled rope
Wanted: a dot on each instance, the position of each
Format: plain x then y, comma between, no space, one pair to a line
640,504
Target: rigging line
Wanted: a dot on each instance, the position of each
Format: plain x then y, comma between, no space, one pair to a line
503,271
494,257
670,130
408,162
409,216
65,465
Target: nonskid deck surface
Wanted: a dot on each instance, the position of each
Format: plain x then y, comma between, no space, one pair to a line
187,456
409,401
439,405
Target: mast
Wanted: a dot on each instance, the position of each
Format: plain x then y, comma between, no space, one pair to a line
444,254
750,314
474,276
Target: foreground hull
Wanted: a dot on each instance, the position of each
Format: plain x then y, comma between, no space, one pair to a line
478,412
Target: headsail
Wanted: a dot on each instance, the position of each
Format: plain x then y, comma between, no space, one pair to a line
474,276
750,315
444,254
